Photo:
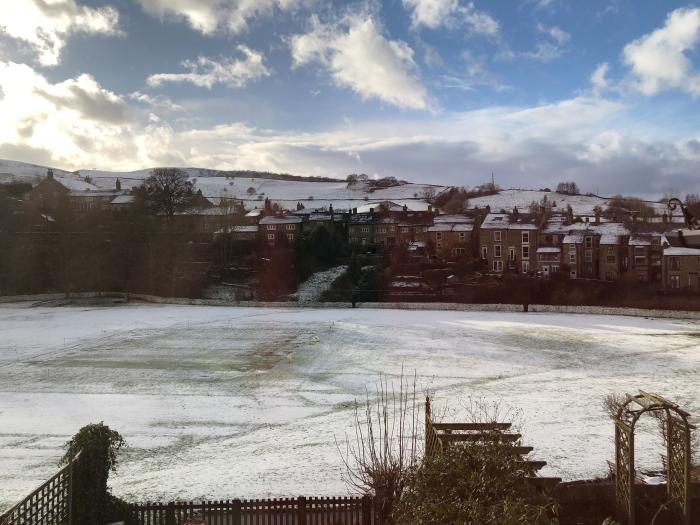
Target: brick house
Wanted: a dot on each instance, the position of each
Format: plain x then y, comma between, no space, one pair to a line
508,241
645,254
81,196
681,269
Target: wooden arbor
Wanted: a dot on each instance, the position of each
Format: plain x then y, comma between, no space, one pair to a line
438,436
677,433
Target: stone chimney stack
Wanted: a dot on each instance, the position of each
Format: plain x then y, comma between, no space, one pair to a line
118,185
49,174
597,216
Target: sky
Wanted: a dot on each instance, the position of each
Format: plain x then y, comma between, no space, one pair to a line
602,92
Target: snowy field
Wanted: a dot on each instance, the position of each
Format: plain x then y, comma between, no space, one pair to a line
239,402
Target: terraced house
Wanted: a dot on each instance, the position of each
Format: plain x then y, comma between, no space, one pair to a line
508,241
454,236
280,230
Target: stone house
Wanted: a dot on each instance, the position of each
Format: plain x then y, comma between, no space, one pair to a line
681,269
508,241
280,229
454,236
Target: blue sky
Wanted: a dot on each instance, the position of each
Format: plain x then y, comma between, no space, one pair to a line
446,91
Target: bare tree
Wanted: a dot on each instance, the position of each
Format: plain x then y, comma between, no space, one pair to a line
168,190
385,445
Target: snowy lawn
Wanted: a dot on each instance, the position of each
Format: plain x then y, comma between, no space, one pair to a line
239,402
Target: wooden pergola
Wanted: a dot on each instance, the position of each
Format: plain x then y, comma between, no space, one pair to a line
677,435
439,436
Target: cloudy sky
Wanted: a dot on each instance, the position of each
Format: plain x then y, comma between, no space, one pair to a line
605,92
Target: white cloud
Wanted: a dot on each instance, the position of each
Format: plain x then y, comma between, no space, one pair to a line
359,57
557,33
46,24
77,123
209,16
599,79
450,13
205,72
660,60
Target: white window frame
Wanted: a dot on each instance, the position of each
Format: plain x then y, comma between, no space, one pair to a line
271,227
497,251
498,265
497,236
525,237
526,253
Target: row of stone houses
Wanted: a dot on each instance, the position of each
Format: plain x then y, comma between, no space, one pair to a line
541,244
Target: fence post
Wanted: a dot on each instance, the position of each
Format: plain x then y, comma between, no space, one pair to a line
170,514
237,512
366,510
301,515
70,482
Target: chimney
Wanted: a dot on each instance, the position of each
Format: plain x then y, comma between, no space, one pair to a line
330,210
430,208
371,211
664,218
405,208
49,174
118,185
354,211
597,216
587,220
516,212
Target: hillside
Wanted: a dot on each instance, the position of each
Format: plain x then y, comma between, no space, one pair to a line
254,187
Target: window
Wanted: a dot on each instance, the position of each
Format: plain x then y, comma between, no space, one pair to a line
438,236
573,274
511,253
610,259
572,248
291,226
526,266
458,251
497,236
364,241
405,229
290,236
572,258
270,236
271,227
497,250
589,256
555,269
526,252
611,250
439,246
675,264
484,252
640,260
365,229
497,265
381,229
526,237
589,242
676,282
462,236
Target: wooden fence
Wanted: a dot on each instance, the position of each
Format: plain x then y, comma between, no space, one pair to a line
289,511
50,504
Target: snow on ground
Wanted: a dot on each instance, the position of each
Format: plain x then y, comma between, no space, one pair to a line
311,290
223,402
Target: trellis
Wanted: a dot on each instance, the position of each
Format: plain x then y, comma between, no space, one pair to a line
677,434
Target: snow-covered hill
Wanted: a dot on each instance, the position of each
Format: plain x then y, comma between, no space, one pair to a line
252,190
313,194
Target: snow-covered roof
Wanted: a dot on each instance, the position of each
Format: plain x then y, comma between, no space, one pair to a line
93,193
245,229
573,238
678,251
640,241
254,213
520,221
287,219
608,239
455,218
123,199
548,249
451,228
